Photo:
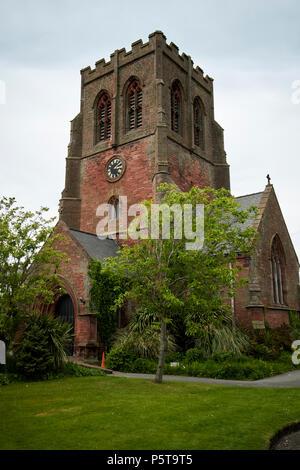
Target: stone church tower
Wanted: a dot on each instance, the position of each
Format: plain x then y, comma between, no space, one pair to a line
154,112
147,117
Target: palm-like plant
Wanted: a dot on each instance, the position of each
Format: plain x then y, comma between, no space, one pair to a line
217,338
142,335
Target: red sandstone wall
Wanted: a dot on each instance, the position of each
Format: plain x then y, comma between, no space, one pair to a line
136,183
187,169
271,223
77,284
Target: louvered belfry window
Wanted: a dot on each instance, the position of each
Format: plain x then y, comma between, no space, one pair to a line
135,102
198,123
103,118
175,107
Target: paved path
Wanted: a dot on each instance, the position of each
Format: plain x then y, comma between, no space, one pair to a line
287,380
288,442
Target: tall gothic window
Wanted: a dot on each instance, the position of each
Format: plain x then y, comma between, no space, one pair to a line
134,105
198,111
103,118
114,208
175,107
277,262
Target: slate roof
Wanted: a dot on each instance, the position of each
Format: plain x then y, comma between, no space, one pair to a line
250,200
107,248
96,248
247,201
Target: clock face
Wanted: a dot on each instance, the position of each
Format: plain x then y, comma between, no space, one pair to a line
115,168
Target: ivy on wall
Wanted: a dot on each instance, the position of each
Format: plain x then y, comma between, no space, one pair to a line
107,287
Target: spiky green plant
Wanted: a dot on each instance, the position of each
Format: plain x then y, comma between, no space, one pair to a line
217,338
142,335
144,343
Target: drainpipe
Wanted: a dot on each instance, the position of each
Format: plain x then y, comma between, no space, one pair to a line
232,303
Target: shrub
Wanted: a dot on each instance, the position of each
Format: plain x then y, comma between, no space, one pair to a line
33,355
67,369
174,357
216,338
295,323
194,369
178,370
278,338
144,366
193,355
70,369
220,366
8,372
246,371
4,379
228,356
120,359
269,343
10,365
234,368
261,351
41,348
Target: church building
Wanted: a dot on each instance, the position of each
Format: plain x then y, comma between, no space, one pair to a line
147,117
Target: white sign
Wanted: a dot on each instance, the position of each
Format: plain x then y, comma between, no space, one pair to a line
2,353
296,353
258,324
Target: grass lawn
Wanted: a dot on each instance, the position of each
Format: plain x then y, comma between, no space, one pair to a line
119,413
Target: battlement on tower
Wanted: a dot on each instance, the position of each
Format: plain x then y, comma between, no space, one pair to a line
184,61
139,49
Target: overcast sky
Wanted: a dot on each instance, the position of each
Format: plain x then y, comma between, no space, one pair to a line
250,48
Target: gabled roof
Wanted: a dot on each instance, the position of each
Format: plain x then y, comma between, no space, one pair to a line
247,201
250,200
95,247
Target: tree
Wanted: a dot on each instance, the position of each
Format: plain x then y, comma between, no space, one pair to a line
166,277
29,264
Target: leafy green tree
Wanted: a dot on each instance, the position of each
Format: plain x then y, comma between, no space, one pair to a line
167,278
29,264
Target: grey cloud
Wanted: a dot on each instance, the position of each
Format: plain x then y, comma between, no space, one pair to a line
251,49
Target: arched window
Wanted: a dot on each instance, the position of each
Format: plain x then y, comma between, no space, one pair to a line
198,111
175,107
278,270
134,105
103,118
114,211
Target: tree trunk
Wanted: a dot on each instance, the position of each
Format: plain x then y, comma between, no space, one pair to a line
162,353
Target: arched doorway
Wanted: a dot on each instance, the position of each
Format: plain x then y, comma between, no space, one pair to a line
64,310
